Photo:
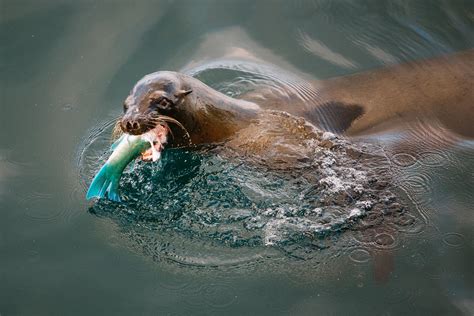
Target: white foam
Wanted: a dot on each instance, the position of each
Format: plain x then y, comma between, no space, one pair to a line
367,205
328,136
356,212
334,184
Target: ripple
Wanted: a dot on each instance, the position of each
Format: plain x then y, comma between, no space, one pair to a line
382,237
408,223
92,150
371,219
256,74
430,135
365,237
360,255
40,206
12,162
76,197
219,295
434,158
175,285
191,297
419,187
44,215
441,272
404,219
385,240
404,159
398,295
453,239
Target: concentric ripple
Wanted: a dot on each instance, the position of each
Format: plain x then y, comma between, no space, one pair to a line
434,158
453,239
360,255
404,159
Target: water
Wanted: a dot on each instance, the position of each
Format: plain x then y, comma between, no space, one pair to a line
379,225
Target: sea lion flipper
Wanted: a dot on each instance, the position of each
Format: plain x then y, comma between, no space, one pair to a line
335,116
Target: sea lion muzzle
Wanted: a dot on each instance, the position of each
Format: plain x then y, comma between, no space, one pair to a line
136,124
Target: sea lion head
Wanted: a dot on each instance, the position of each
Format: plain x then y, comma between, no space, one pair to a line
152,99
191,110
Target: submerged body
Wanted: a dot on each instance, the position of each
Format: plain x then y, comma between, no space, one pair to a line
437,89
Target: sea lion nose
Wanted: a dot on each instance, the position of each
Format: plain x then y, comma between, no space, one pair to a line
133,125
130,125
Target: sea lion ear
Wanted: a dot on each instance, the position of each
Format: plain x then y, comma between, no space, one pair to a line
182,93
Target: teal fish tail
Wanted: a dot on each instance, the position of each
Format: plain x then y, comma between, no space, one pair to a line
106,182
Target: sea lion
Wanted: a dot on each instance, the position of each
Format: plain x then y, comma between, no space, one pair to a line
440,88
350,105
208,115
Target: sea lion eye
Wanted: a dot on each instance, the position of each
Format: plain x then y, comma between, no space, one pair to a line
162,103
125,107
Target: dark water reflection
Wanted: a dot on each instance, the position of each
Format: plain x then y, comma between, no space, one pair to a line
204,232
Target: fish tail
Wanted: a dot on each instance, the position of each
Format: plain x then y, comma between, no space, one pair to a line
106,182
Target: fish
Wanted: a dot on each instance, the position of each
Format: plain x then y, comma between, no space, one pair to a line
125,150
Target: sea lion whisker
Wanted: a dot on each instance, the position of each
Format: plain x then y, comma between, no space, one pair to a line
151,124
168,128
117,130
164,118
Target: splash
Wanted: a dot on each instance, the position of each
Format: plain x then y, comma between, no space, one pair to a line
232,202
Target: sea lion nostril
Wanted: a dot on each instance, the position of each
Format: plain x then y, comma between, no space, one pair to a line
130,125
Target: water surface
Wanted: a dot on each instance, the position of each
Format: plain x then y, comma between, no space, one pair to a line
204,231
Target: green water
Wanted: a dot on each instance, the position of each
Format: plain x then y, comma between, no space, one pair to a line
192,239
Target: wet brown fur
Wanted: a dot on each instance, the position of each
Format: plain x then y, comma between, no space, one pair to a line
440,88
